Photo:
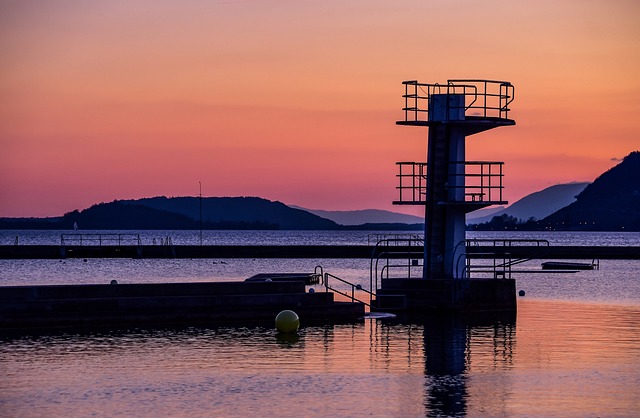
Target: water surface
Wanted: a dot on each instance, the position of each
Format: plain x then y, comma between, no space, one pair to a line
557,359
573,350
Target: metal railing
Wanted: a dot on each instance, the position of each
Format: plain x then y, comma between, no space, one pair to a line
396,258
100,239
352,286
502,261
482,98
413,183
317,276
394,239
482,182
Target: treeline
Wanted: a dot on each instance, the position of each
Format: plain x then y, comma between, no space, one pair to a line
507,223
126,216
565,223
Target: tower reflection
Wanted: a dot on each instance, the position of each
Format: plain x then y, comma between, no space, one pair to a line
450,348
446,347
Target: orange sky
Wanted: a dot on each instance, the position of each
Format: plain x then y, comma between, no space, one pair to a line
297,100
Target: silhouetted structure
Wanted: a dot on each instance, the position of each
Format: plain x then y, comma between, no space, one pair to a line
449,186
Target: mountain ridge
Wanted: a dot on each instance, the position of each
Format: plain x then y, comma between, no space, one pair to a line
611,202
364,216
540,204
239,209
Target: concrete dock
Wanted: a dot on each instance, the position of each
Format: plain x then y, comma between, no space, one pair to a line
301,251
413,296
167,304
255,301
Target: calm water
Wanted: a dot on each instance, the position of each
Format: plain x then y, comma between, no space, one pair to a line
574,349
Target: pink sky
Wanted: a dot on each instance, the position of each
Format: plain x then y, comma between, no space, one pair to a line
297,100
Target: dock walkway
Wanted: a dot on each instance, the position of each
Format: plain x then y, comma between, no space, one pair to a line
298,251
165,304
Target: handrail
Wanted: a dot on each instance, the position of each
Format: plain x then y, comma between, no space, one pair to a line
397,237
317,275
418,181
482,182
482,98
388,244
354,287
500,269
507,242
99,239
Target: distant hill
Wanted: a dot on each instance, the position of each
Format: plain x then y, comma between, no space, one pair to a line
180,213
365,216
217,213
123,215
482,214
537,205
239,209
610,203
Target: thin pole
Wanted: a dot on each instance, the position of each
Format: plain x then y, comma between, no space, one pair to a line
200,183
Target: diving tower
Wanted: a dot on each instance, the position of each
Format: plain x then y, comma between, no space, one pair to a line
449,186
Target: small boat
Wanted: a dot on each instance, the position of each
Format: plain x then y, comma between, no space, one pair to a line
566,265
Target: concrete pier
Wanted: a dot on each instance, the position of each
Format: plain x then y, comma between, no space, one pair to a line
184,251
419,296
165,304
301,251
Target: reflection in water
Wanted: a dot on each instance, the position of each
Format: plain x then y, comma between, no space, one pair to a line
580,359
451,345
287,340
446,349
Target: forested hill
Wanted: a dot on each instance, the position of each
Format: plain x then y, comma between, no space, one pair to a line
239,210
180,213
610,203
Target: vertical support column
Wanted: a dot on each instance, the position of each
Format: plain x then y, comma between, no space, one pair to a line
455,214
437,173
444,223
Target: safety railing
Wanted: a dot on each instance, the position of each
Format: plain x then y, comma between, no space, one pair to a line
482,99
100,239
396,258
413,183
499,260
481,183
349,294
317,276
393,239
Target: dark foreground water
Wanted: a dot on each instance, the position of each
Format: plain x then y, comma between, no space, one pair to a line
573,350
556,359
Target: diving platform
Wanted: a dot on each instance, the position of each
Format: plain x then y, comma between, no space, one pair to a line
449,186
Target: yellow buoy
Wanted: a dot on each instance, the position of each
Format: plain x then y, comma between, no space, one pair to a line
287,321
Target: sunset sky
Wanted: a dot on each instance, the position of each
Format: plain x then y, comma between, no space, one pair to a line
296,101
